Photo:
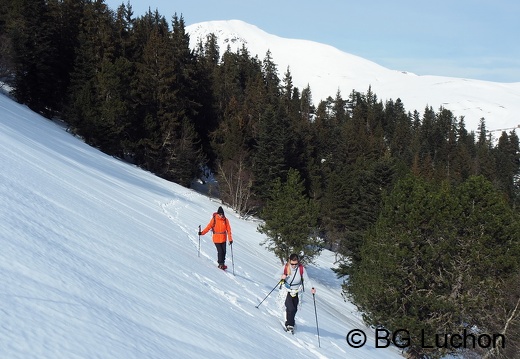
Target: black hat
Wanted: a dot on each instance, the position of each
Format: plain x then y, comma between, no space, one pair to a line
220,211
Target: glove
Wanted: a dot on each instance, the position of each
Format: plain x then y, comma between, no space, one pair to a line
200,233
230,242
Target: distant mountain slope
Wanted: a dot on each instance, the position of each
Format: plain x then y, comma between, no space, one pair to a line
327,70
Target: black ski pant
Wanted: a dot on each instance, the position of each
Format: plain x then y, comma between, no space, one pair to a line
291,307
221,252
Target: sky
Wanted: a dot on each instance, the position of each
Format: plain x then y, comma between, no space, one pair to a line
100,259
475,39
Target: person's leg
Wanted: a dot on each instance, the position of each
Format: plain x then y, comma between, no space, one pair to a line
221,253
224,253
291,306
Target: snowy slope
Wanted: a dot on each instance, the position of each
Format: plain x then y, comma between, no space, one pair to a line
327,70
99,259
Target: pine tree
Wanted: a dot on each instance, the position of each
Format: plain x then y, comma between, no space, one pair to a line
35,54
186,157
166,101
507,157
335,210
86,97
353,204
485,164
66,16
269,160
400,131
441,256
272,82
462,164
151,92
115,85
207,118
290,220
7,67
300,146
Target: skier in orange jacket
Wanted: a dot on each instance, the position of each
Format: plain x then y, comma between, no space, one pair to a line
221,228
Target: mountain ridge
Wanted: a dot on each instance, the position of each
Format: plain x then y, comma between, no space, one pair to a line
328,70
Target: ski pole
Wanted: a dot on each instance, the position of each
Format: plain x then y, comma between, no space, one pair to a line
316,315
280,282
232,261
198,252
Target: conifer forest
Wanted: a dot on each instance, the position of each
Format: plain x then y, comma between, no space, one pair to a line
422,213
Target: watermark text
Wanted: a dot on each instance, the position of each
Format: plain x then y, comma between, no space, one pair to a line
401,338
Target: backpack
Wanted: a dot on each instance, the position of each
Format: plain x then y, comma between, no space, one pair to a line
301,273
299,265
215,221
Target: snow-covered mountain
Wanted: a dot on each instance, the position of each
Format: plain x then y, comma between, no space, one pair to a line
327,70
99,259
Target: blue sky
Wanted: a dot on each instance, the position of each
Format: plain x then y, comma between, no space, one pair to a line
475,39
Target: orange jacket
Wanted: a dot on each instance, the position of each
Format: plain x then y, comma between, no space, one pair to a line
220,227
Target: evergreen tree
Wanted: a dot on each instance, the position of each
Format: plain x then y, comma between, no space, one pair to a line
207,118
485,164
152,95
306,105
440,255
114,85
269,160
507,155
462,164
400,133
329,139
353,204
336,209
290,220
300,145
66,16
7,63
188,158
234,166
35,56
94,54
42,40
167,103
363,136
272,82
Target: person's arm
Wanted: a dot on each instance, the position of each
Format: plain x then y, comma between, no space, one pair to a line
284,271
228,229
208,227
279,274
307,282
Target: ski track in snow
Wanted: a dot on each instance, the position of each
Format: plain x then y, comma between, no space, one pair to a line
100,259
171,210
233,298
